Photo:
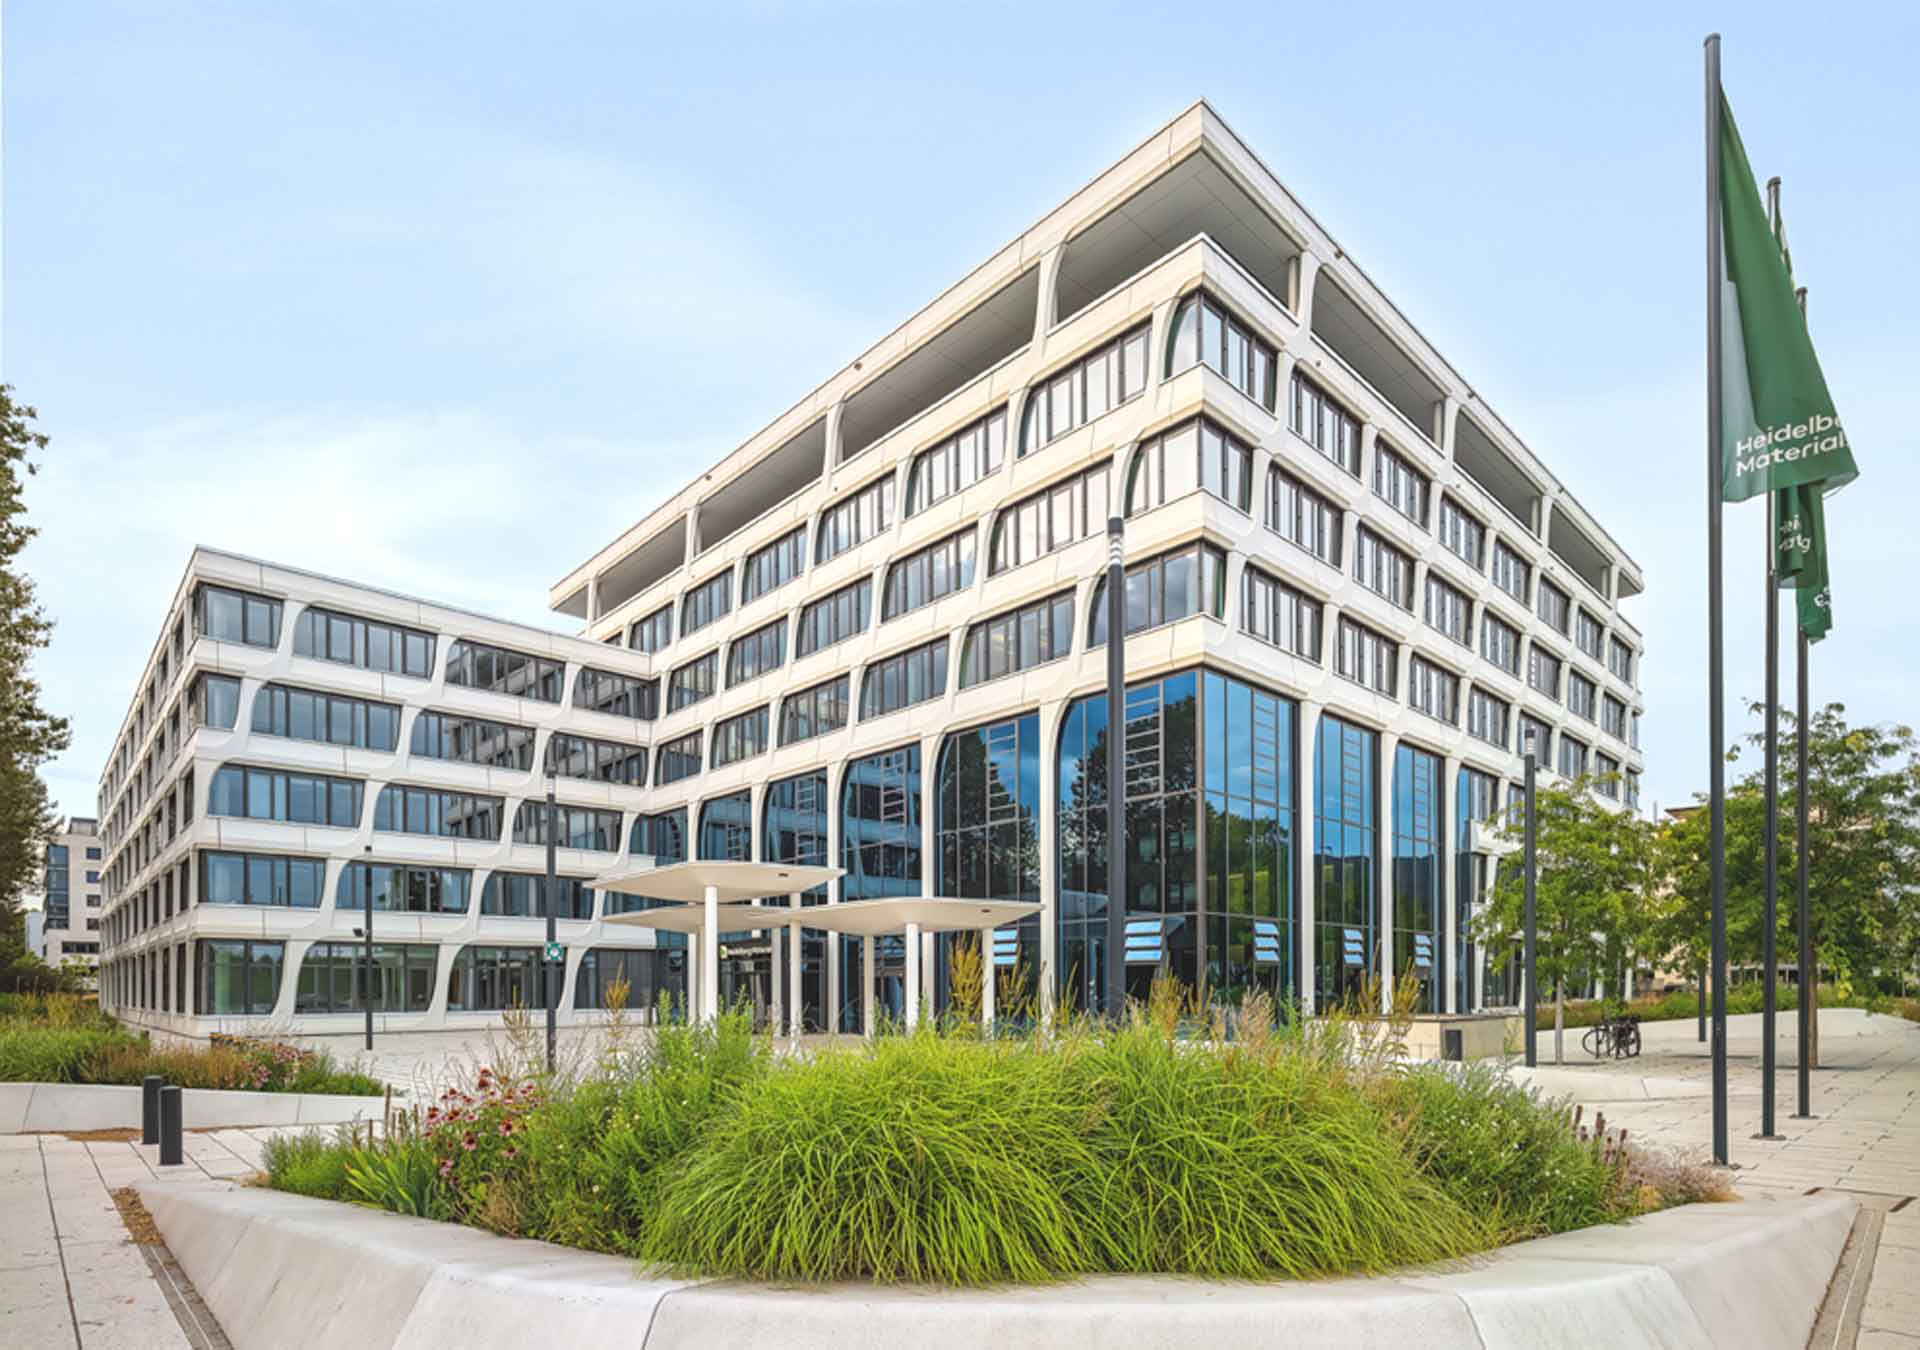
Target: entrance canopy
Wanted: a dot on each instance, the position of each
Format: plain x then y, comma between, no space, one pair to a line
689,881
927,913
676,918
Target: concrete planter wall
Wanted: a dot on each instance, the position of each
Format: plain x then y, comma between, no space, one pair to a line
275,1269
30,1108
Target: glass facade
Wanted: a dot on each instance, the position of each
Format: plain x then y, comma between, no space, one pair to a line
237,616
493,979
1206,332
1248,762
1195,454
583,827
1174,586
618,695
597,761
476,665
1419,852
793,829
1346,859
521,895
649,977
1072,397
1029,636
958,462
986,821
472,740
1476,799
238,979
833,618
769,568
333,978
261,879
296,798
880,848
447,815
814,712
404,889
332,719
366,643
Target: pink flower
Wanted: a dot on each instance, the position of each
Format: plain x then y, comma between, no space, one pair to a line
511,1152
469,1143
506,1128
446,1170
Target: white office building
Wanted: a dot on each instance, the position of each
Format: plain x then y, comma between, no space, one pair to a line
71,891
873,636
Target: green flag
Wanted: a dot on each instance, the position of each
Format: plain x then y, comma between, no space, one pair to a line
1780,428
1800,554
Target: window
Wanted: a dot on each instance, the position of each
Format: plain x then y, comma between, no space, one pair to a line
653,633
1536,738
1416,863
582,827
472,740
493,979
370,645
1487,717
677,759
239,978
1633,736
216,701
1620,660
1026,637
475,665
333,977
1555,606
1367,658
850,523
448,815
756,653
332,719
1206,333
1572,762
261,879
1461,534
93,854
1543,671
1401,486
1174,586
1633,789
1346,862
273,794
814,712
930,574
1313,416
237,616
1606,770
1589,635
773,566
1089,388
958,462
617,695
1275,612
833,618
711,599
664,839
904,679
696,680
1382,568
648,977
1069,511
1302,516
1500,643
1194,454
1433,690
570,756
739,737
1613,717
1510,571
1581,693
1449,610
522,895
404,889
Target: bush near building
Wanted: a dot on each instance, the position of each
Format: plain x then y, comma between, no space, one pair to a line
1290,1149
66,1039
1683,1005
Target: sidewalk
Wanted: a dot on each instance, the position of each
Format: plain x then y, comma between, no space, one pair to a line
71,1274
1864,1137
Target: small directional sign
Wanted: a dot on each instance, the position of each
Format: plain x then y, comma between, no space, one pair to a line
555,952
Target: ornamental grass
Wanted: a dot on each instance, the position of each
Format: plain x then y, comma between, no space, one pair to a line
1186,1141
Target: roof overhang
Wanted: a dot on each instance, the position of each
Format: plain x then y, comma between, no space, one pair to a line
857,918
731,881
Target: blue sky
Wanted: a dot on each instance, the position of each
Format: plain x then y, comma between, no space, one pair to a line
440,297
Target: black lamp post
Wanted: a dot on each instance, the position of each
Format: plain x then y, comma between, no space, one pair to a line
1116,770
549,964
366,950
1530,998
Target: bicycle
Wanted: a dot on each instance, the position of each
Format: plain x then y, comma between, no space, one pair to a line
1616,1037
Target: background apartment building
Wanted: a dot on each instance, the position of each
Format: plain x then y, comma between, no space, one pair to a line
874,636
71,901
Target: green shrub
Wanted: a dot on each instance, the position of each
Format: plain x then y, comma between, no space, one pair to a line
401,1175
43,1054
1502,1152
309,1163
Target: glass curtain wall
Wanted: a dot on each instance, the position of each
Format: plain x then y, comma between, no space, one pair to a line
746,956
880,846
1248,765
986,821
1345,857
1476,798
664,836
1418,855
793,829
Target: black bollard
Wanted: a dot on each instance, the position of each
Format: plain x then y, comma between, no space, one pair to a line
150,1108
170,1154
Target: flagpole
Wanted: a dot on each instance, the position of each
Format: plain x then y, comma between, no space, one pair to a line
1770,919
1809,978
1716,666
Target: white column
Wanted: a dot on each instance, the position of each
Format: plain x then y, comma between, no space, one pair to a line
867,981
913,976
696,990
1383,843
710,957
987,980
796,1022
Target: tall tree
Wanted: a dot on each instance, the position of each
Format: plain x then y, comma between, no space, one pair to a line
1595,891
1863,845
29,735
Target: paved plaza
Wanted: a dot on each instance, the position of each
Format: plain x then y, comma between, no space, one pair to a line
75,1275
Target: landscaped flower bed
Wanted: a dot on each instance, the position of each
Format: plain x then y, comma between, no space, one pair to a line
57,1038
1289,1150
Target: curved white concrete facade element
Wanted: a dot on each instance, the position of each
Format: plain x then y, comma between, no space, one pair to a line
1749,1275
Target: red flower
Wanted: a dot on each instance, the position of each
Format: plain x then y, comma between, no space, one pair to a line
469,1143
